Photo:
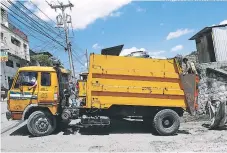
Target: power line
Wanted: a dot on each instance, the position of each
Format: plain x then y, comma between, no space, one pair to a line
44,13
29,34
35,29
31,19
78,60
50,28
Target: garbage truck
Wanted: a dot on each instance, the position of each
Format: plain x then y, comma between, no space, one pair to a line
114,87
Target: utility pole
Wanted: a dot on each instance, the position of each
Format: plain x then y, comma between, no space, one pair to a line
62,20
87,58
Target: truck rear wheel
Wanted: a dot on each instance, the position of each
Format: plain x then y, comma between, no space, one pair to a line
41,123
166,122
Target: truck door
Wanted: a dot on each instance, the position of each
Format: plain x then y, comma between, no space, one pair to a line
48,89
20,96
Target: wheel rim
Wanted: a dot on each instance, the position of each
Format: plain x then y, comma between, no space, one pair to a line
42,124
167,122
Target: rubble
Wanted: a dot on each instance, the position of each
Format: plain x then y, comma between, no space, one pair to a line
217,74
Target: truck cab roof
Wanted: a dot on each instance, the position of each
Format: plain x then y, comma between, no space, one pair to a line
41,69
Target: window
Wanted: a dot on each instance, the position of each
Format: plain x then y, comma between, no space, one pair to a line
10,81
26,79
25,47
45,79
15,41
2,36
9,63
65,81
17,64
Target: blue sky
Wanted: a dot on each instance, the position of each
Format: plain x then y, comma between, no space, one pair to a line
160,28
149,28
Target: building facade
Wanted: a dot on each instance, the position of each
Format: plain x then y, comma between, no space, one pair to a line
211,44
15,43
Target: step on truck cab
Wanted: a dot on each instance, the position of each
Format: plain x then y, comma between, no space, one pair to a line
114,87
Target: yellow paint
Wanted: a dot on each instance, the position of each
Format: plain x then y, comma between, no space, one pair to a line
131,66
45,94
108,101
83,88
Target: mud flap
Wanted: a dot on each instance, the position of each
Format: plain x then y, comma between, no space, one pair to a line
189,86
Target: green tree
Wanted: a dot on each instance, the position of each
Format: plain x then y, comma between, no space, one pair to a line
43,60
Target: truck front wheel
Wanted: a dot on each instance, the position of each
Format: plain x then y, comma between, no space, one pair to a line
41,123
166,122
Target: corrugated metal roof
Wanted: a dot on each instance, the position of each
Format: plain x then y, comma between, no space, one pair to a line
205,30
219,35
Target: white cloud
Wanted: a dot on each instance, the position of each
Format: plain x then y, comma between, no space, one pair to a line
116,14
157,54
96,46
139,9
177,48
84,12
178,33
223,22
130,50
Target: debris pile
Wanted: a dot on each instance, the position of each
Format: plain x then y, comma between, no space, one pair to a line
213,81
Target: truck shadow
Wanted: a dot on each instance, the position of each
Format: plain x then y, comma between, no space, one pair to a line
217,129
116,127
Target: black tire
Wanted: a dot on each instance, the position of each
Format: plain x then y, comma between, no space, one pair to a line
41,123
166,122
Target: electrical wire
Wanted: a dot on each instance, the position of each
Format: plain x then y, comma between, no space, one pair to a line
47,25
28,18
31,19
78,60
43,13
35,29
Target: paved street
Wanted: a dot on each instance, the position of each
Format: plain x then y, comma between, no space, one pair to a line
122,136
5,124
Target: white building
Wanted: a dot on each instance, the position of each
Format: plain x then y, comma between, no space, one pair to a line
15,42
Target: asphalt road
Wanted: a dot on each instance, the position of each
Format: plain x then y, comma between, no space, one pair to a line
122,136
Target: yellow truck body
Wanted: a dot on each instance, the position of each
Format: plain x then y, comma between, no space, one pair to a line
114,87
116,80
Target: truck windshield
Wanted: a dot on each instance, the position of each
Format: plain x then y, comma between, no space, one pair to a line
26,79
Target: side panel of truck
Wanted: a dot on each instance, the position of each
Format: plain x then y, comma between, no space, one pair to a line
115,80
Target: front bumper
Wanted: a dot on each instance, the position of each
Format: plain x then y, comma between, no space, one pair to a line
8,115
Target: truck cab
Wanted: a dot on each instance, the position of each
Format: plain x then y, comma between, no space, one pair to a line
35,95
